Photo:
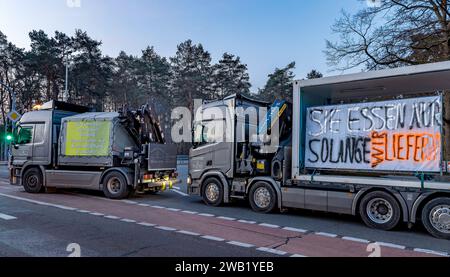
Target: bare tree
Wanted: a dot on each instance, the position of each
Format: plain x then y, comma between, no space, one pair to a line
392,34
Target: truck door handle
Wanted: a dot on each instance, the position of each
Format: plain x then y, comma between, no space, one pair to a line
209,163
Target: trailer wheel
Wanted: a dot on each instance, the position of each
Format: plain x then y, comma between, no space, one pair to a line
212,192
436,217
115,186
380,210
32,181
263,197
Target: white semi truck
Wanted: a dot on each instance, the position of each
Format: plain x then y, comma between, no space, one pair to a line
67,146
373,144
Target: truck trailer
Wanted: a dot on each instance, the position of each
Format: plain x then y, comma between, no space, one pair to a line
63,145
373,144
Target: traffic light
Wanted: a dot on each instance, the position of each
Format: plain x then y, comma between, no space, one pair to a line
9,138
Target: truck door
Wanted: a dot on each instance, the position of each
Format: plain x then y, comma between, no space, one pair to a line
212,149
23,149
41,151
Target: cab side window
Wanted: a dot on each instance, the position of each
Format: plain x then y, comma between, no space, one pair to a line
39,133
25,135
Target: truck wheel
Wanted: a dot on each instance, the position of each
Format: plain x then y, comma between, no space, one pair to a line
380,210
32,181
115,186
263,197
212,192
436,217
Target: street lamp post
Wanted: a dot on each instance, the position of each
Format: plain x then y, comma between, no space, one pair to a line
66,86
12,96
67,82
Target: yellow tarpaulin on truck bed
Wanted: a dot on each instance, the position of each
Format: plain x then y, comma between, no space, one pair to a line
88,138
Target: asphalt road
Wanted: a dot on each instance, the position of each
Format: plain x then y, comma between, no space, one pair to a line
174,224
342,225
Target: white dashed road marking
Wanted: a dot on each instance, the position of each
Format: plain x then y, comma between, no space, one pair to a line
241,244
189,212
146,224
247,221
165,228
7,217
97,214
298,256
272,251
391,245
188,233
356,239
329,235
130,202
112,217
432,252
295,230
226,218
269,225
206,215
213,238
64,208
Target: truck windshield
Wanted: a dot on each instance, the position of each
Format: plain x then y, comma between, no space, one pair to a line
24,134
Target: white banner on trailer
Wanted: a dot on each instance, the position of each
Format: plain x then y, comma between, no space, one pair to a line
399,135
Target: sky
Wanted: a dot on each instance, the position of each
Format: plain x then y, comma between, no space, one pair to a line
266,34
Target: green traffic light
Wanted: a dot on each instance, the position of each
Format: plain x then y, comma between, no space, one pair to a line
9,137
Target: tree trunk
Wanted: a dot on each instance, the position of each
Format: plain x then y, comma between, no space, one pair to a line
48,89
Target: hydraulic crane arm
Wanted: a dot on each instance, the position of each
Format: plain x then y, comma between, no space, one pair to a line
143,125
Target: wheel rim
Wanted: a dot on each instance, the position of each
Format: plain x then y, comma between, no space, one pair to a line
440,218
113,185
379,210
32,181
212,192
262,197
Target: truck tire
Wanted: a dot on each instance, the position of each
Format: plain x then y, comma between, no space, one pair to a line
115,186
32,180
380,210
262,197
212,192
436,217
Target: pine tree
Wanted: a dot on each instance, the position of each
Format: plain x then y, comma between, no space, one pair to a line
231,76
192,74
314,74
154,76
279,85
46,58
124,90
91,72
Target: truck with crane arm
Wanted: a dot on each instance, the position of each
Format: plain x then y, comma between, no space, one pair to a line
63,145
374,145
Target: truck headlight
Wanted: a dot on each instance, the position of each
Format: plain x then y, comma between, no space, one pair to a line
189,180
